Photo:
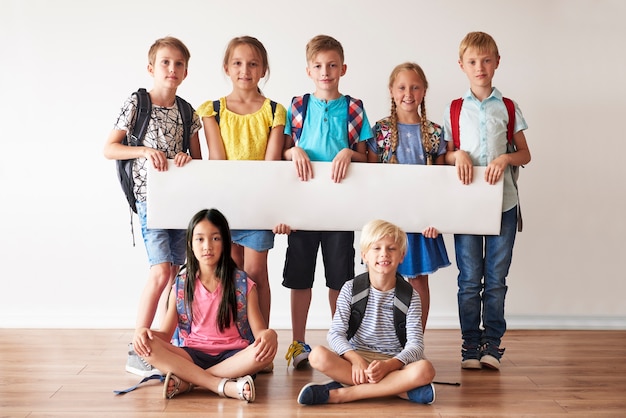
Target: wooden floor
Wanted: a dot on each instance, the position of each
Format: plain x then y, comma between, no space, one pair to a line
72,373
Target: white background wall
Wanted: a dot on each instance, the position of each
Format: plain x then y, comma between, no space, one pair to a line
66,253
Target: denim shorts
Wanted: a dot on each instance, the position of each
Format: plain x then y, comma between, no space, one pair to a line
258,240
162,245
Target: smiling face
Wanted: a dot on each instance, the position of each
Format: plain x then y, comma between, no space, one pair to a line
207,244
408,91
169,68
383,256
245,67
325,69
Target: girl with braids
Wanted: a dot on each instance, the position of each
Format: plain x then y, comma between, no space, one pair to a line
216,308
408,137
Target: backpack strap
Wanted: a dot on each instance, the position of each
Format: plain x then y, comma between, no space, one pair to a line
273,105
383,140
510,109
510,125
401,303
360,294
141,119
216,109
186,112
241,291
184,313
455,114
299,105
355,120
158,377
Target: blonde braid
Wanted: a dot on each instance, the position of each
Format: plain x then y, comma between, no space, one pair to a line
393,124
426,143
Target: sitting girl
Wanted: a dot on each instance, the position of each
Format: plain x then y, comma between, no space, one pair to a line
216,309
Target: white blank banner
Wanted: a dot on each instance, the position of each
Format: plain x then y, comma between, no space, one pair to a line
261,194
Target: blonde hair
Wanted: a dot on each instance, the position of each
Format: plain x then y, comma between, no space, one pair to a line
427,144
481,41
323,43
168,41
255,44
378,229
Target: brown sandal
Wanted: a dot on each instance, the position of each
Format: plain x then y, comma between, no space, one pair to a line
177,382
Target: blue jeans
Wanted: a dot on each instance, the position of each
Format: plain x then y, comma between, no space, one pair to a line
483,263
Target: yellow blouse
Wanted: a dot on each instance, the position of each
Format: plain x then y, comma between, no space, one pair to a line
245,137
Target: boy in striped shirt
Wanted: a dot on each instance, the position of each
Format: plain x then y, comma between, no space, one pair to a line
373,363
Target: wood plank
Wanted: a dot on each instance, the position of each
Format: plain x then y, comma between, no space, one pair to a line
72,373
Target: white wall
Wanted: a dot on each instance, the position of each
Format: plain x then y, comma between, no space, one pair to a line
67,66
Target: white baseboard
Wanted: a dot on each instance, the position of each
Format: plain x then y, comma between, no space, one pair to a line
317,322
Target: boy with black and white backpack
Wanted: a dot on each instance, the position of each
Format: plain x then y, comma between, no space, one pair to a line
374,351
163,140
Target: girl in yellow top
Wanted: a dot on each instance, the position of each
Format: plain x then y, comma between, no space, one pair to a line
246,126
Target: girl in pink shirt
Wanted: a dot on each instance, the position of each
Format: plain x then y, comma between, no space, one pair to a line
216,332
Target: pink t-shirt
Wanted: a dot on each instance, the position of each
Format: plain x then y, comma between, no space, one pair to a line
205,334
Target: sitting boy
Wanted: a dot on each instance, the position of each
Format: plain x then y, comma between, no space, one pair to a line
374,362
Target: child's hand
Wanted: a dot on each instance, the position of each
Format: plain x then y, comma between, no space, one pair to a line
340,165
464,167
282,229
376,371
266,345
430,232
181,159
359,376
302,162
158,158
141,341
495,170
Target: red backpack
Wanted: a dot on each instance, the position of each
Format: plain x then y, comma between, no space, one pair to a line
455,114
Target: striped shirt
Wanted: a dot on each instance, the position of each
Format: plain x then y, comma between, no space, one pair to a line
377,332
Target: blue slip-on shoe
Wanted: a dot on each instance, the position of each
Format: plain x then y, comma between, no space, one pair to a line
423,394
316,394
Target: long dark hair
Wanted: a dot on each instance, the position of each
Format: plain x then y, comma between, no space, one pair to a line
225,270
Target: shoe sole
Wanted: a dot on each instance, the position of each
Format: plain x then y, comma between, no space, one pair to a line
490,362
302,364
143,373
471,364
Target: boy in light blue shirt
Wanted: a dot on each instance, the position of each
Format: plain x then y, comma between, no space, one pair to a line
323,126
484,261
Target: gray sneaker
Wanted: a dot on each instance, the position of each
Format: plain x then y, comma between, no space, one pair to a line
137,365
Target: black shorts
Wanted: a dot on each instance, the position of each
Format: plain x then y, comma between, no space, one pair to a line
301,257
206,361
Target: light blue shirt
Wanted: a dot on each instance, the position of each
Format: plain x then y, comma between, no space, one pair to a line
482,132
325,129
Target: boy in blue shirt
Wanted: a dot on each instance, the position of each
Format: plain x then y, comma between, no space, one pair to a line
484,261
328,134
